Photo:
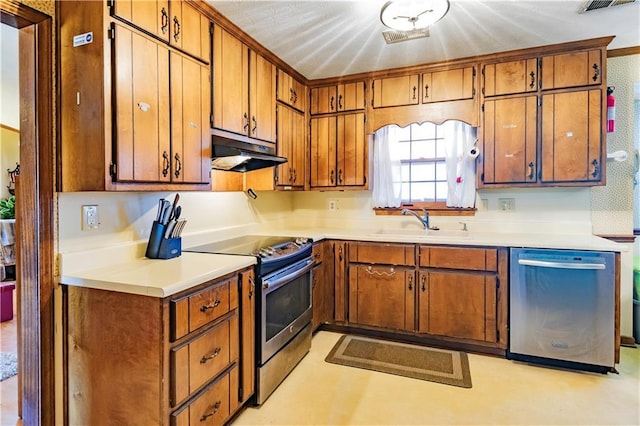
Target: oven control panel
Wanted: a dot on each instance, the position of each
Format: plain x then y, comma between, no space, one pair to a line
286,249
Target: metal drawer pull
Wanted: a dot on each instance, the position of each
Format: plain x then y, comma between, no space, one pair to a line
370,271
212,355
213,411
213,305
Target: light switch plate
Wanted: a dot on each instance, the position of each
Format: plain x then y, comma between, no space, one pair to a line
507,204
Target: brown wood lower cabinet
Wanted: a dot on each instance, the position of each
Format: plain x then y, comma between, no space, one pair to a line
448,293
322,284
182,360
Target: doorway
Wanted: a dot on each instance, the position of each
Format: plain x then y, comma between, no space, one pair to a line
34,230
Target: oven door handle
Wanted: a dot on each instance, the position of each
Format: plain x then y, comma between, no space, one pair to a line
280,281
561,265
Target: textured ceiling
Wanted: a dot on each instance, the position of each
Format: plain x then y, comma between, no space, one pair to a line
332,38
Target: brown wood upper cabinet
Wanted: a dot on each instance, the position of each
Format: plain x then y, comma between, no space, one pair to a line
571,137
291,91
337,98
338,151
291,145
134,111
175,22
572,69
448,85
511,77
243,89
396,91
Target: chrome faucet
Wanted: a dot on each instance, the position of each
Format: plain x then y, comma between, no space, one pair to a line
423,220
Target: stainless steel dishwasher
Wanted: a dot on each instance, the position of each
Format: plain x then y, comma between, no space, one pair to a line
562,308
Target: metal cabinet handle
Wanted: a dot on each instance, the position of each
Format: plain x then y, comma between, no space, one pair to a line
532,84
596,72
340,176
211,356
176,28
596,168
331,104
294,176
340,253
211,412
331,177
245,122
369,270
414,92
166,163
255,124
340,102
531,170
423,282
178,165
215,304
164,21
252,287
426,91
410,282
291,94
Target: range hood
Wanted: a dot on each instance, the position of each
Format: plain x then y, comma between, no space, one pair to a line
236,153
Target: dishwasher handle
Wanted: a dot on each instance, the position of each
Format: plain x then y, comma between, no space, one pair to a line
561,265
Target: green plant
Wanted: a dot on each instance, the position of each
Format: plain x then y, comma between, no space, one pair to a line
8,208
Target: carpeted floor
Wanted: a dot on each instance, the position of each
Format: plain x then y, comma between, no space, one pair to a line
8,365
419,362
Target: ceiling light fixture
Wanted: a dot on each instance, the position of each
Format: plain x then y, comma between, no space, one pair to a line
408,15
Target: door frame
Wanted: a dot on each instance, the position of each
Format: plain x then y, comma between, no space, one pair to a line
35,227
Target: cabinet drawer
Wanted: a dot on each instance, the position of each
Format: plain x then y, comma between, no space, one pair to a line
572,70
476,259
382,253
212,407
195,310
202,359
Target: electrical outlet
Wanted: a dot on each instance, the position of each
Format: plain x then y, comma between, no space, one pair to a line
507,204
333,205
90,219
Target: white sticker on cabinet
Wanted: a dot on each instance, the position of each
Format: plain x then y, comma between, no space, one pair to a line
82,39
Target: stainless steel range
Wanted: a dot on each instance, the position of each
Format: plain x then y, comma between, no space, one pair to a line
283,305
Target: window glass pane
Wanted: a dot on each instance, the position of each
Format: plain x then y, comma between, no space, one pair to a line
423,191
441,171
423,149
403,133
404,150
441,148
423,172
423,131
441,191
404,172
405,194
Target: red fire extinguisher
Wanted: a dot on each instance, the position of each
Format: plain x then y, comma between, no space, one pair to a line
611,110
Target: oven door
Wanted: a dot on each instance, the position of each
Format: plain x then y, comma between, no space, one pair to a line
286,306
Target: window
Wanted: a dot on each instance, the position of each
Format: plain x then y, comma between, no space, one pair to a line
425,166
422,155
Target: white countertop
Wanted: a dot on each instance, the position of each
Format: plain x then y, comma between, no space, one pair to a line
157,277
129,272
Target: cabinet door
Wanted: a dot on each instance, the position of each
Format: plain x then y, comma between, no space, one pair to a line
151,16
572,70
291,91
190,142
247,336
448,85
323,152
299,146
351,150
230,83
291,144
396,91
142,131
262,98
340,275
458,304
350,96
572,137
381,296
323,100
511,77
189,30
317,295
510,128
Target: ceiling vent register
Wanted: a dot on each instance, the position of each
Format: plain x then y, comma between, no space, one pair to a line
591,5
397,36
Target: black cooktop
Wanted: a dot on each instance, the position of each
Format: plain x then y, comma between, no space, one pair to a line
245,245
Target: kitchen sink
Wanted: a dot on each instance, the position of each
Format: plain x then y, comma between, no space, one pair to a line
443,233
